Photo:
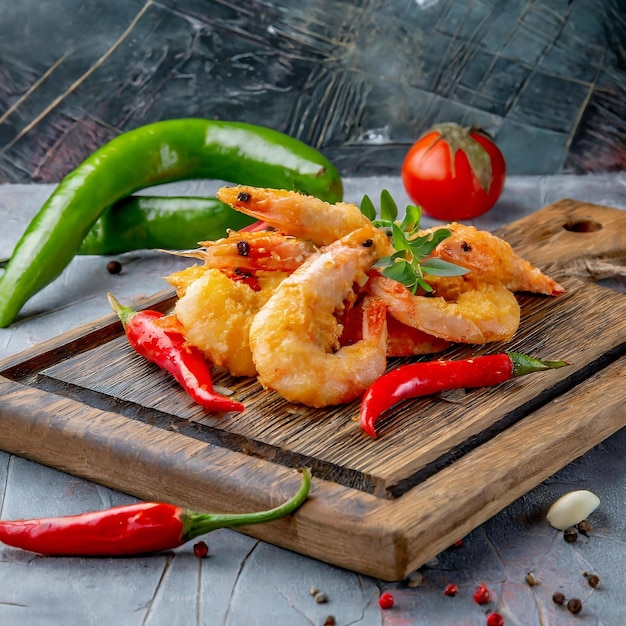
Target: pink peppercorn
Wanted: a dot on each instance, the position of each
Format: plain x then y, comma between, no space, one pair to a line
495,619
451,590
482,595
386,600
200,549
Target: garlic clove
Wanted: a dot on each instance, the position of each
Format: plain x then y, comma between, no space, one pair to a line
572,508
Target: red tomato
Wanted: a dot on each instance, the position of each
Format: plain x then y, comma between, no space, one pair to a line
454,173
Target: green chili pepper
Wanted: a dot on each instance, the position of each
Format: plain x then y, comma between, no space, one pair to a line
151,155
168,222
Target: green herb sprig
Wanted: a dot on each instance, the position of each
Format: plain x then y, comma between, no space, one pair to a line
407,264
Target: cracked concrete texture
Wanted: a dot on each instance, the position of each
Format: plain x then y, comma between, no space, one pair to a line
360,81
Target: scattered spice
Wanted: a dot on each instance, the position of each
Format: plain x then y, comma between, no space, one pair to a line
495,619
451,590
200,549
114,267
592,579
314,591
386,600
584,527
558,598
330,621
320,597
570,535
574,605
482,594
531,581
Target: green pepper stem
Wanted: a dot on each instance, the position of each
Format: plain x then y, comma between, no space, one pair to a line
195,524
125,313
524,364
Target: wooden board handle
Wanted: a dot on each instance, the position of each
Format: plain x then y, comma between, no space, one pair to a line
576,239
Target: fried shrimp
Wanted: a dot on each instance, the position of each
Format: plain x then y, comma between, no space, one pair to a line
478,307
484,314
302,216
295,336
490,260
216,313
253,251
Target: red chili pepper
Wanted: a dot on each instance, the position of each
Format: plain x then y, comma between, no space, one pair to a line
160,339
427,378
133,529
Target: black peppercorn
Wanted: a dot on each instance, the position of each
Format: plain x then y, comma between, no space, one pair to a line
592,579
243,196
584,527
114,267
574,605
558,597
570,535
243,248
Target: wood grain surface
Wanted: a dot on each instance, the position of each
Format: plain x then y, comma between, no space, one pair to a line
86,404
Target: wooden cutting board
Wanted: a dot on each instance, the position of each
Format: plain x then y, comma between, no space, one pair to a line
86,404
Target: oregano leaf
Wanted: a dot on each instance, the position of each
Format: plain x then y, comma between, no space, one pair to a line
439,267
409,262
388,206
367,208
412,218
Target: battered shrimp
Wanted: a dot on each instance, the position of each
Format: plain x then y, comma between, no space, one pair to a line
302,216
295,336
216,313
253,251
487,313
478,307
491,260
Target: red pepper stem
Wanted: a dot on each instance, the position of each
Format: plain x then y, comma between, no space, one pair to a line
524,364
125,313
196,524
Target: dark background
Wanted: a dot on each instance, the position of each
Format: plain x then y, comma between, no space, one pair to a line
359,80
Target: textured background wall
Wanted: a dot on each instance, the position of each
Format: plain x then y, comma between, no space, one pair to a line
359,80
